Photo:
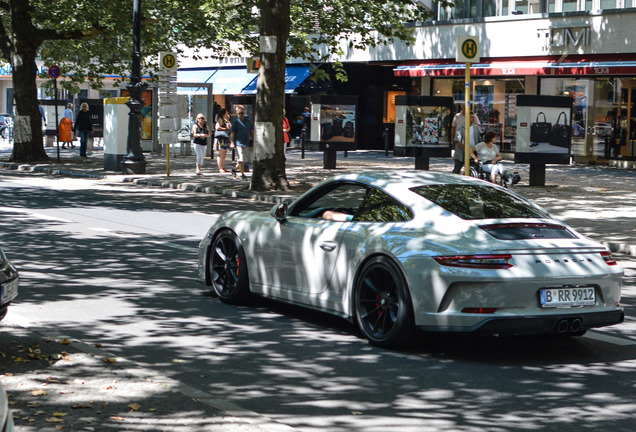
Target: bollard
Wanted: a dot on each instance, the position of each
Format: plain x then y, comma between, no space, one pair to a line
302,143
386,141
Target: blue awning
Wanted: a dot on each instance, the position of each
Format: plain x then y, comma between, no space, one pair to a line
194,76
294,76
231,81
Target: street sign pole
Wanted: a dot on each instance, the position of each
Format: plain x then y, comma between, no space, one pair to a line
467,119
467,52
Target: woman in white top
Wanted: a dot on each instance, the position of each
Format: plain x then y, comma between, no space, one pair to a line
488,153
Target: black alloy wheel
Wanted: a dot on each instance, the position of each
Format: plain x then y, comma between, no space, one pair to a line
382,304
228,268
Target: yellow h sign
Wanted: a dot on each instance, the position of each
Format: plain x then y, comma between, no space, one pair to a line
467,49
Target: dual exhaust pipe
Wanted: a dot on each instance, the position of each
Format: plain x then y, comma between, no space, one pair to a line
570,325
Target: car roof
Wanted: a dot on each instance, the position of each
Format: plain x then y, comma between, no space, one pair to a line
399,183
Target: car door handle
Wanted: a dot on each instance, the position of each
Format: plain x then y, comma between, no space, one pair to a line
328,246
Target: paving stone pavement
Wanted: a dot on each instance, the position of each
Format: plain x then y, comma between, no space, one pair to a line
55,383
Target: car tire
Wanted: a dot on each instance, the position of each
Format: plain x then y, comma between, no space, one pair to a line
4,132
3,312
383,308
227,268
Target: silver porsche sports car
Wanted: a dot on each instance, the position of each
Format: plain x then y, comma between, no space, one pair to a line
400,251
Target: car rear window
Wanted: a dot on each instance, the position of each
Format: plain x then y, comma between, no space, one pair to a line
478,202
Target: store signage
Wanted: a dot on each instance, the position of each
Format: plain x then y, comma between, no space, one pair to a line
564,37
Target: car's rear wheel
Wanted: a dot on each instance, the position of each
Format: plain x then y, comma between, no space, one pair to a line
228,268
383,307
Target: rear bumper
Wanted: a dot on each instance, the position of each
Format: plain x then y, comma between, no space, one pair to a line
553,323
557,323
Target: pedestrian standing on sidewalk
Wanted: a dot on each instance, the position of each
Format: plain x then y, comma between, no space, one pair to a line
84,125
200,134
222,137
68,113
241,134
286,130
474,132
42,113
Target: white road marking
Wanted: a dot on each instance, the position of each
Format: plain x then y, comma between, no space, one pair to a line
604,337
144,239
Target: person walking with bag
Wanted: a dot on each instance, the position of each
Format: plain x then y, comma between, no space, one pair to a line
84,125
222,137
200,134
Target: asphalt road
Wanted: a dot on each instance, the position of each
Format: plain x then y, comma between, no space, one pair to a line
115,265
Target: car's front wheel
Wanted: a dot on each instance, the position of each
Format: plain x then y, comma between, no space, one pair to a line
383,307
228,268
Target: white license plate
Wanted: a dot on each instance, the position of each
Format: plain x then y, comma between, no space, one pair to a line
8,291
567,297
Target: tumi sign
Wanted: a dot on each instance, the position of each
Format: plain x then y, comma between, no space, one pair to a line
565,37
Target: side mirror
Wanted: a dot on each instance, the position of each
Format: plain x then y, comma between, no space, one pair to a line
279,212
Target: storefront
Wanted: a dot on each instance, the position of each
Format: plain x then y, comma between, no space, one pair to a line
602,86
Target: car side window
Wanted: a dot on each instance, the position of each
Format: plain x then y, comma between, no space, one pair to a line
380,207
345,198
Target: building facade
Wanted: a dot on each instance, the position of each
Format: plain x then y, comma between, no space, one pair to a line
583,49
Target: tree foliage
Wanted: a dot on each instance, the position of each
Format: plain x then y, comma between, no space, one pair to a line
93,38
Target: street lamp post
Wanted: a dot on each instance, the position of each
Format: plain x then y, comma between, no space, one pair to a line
134,161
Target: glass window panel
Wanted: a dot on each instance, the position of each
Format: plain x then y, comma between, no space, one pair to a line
489,8
570,5
521,6
608,4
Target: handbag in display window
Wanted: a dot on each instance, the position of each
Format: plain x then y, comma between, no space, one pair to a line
540,131
561,132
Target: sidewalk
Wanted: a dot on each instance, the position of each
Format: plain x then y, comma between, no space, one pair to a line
59,384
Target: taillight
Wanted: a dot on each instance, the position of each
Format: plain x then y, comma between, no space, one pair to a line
476,261
607,257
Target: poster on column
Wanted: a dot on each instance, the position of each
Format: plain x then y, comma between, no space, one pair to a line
544,129
422,126
334,122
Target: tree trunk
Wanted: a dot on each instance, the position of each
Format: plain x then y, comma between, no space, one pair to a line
27,123
269,148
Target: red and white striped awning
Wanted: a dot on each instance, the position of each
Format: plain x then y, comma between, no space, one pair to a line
503,67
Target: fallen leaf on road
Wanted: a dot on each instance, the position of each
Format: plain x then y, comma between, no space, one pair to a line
111,360
54,420
65,342
134,406
117,418
38,392
59,414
